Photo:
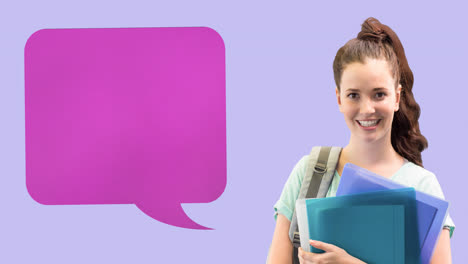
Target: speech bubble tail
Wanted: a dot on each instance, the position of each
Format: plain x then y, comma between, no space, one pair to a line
173,215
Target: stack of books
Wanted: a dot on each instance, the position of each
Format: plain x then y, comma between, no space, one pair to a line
374,219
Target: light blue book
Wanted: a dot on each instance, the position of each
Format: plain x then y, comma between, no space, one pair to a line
308,218
431,210
371,233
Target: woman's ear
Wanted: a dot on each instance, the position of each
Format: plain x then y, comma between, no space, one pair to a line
338,98
397,97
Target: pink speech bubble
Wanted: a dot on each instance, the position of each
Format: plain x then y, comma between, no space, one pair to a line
126,116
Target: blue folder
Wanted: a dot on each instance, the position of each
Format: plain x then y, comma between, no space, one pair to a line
371,233
431,210
306,211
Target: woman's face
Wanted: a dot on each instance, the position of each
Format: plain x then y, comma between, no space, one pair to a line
368,100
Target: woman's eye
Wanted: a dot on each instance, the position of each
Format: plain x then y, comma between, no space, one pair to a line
380,95
353,95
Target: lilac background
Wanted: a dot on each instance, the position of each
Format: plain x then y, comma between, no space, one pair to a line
280,103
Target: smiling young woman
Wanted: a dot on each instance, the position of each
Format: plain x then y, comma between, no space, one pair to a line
368,99
374,92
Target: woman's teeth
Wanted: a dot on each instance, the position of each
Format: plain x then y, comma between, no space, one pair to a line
369,123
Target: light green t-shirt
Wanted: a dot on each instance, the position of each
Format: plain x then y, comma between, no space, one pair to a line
409,174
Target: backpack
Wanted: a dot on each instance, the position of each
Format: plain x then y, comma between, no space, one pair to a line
319,175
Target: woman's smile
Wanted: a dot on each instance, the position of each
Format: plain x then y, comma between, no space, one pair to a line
368,124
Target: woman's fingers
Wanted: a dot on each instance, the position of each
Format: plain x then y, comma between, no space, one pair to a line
324,246
306,257
333,254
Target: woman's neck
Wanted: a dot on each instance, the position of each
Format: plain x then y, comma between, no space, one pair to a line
371,154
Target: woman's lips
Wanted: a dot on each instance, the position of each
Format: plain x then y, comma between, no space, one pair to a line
368,121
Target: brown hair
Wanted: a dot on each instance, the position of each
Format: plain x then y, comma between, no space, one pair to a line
378,41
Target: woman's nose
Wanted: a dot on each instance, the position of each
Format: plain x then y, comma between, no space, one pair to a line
367,107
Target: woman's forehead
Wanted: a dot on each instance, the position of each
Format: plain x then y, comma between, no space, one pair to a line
372,74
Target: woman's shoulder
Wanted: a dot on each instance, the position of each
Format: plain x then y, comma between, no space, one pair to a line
303,163
287,201
300,168
414,175
411,167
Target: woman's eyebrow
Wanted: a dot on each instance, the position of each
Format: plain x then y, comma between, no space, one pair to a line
375,89
352,90
379,89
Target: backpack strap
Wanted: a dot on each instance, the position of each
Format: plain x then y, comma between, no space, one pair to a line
319,175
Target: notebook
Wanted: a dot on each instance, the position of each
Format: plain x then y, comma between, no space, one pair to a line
312,216
431,210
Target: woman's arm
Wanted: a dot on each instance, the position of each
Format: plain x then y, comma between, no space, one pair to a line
281,247
442,253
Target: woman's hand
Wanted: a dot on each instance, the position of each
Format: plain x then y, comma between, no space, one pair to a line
333,254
